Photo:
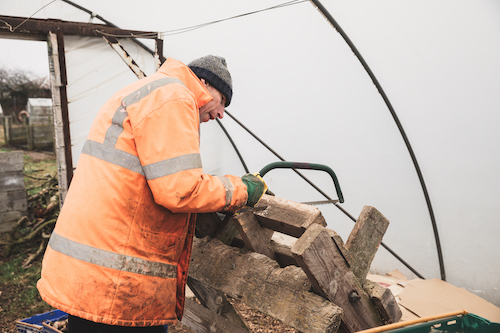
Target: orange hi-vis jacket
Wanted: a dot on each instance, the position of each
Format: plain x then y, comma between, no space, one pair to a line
120,250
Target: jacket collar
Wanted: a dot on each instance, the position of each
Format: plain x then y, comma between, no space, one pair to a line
175,68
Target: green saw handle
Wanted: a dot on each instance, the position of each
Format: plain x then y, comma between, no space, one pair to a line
309,166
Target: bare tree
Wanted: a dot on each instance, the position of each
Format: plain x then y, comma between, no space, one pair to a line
16,86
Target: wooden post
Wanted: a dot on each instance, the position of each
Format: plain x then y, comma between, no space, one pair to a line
364,240
331,277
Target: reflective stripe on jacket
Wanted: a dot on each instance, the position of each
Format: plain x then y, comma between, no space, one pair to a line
120,251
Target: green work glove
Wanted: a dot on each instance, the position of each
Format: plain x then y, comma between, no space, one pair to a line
256,187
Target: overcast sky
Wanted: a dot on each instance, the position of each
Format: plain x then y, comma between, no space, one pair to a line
24,55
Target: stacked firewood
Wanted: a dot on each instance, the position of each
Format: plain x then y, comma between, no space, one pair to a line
315,284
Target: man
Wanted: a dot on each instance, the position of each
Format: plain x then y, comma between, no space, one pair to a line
118,258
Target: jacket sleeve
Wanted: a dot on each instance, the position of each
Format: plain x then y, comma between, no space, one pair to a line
167,142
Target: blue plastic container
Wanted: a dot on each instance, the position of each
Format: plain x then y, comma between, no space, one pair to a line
39,323
33,324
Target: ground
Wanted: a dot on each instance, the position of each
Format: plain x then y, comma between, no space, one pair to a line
19,297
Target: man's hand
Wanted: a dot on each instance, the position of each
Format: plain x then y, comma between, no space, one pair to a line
256,187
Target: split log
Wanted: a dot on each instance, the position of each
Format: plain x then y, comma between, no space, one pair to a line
331,277
364,240
288,217
259,282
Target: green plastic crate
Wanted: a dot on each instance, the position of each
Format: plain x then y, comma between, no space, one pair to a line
468,323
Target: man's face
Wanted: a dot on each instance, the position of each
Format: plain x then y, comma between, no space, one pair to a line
215,108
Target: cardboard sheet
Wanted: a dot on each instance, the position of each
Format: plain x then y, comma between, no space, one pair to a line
422,298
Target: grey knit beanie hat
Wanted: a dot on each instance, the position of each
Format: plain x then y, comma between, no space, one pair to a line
214,70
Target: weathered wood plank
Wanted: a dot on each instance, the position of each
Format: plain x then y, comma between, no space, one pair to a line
256,280
202,320
289,217
216,301
342,247
364,240
324,264
256,238
286,258
384,300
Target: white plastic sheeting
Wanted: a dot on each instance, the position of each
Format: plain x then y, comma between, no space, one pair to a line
299,87
95,72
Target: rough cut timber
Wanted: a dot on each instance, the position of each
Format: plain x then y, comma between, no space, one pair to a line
284,254
364,240
343,249
384,300
259,282
256,238
331,277
202,320
288,217
215,301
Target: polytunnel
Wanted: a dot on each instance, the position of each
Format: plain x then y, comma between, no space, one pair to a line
353,96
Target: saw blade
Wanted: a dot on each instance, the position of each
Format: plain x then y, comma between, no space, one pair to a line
321,202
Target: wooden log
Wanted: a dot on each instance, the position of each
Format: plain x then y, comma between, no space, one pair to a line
259,282
202,320
286,257
284,254
215,301
212,225
256,238
330,276
289,217
384,300
364,240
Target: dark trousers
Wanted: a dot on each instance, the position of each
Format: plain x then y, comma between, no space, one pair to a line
79,325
